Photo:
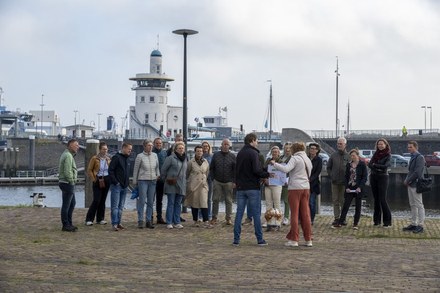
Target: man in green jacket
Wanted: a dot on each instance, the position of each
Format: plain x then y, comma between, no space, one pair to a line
336,171
67,179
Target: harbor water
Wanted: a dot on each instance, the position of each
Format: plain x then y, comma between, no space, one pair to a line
20,195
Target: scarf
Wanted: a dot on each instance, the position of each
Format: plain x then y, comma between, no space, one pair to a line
380,154
199,161
180,157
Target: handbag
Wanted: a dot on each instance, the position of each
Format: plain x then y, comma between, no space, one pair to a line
173,180
101,182
424,184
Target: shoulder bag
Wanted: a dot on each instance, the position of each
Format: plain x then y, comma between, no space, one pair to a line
424,184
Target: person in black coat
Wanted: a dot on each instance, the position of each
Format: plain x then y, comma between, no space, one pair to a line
315,183
355,178
379,164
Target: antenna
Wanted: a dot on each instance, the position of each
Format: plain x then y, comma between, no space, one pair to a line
157,41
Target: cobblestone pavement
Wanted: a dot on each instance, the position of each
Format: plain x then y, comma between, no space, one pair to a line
36,256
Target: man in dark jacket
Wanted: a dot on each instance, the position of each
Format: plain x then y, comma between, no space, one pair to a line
248,174
119,180
161,155
415,171
315,183
336,171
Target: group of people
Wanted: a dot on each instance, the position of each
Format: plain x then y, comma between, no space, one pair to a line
349,175
203,181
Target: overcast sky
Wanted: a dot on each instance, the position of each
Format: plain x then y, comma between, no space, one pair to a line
81,53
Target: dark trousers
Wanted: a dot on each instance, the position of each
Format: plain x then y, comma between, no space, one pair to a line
68,205
97,207
348,198
159,198
379,188
195,213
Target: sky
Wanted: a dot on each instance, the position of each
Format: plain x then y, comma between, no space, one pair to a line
80,55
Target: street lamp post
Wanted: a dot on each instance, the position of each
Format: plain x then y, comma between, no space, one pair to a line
430,118
42,105
75,111
99,122
185,33
424,107
337,95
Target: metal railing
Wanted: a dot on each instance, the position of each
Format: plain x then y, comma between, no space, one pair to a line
374,133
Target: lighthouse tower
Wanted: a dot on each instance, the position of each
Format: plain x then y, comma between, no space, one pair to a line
148,118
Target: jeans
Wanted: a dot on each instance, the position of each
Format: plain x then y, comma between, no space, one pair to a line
417,208
159,198
357,213
173,208
117,198
253,200
147,188
97,207
68,192
312,204
379,186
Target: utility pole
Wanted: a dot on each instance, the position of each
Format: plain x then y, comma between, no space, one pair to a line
42,105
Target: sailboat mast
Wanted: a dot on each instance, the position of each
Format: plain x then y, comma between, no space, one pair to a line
348,118
337,102
270,111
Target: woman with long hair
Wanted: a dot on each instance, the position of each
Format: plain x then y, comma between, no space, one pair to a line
379,164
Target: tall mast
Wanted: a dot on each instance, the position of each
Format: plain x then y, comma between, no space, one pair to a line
348,118
270,111
337,103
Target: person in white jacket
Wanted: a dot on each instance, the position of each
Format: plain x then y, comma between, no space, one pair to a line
299,168
146,172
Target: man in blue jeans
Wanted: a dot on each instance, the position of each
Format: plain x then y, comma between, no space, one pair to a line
247,177
67,179
119,171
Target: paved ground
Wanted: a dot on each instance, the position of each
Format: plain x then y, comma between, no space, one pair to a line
36,256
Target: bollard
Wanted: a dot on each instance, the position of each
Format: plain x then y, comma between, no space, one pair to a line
92,148
32,152
38,198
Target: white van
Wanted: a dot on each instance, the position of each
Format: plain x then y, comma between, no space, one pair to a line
367,153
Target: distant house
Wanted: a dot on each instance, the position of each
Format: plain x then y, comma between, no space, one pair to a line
79,130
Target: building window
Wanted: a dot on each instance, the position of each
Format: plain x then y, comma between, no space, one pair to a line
146,118
142,99
163,117
155,117
161,100
152,99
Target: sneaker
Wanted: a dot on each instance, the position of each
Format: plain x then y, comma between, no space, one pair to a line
161,221
229,222
309,243
207,225
247,221
291,243
75,228
335,222
120,227
196,224
214,221
285,221
337,225
149,225
178,226
169,226
182,220
102,222
377,224
355,227
68,229
344,223
262,243
409,228
89,223
387,226
264,225
141,225
115,228
418,229
235,243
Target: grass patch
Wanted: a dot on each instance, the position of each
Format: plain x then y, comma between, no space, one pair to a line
42,241
17,206
86,262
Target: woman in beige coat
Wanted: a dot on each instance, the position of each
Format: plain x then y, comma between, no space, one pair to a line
197,186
